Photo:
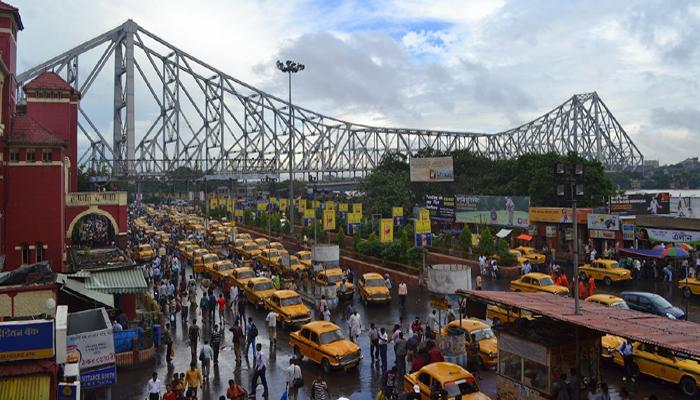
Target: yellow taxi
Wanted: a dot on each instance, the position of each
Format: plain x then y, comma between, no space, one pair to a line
250,250
204,262
241,276
290,310
262,242
237,246
182,244
609,343
218,238
304,257
690,286
335,276
244,236
163,237
268,256
373,289
277,245
678,368
537,282
296,265
256,290
144,253
323,343
453,379
149,231
221,270
605,270
519,259
501,315
531,254
189,251
488,344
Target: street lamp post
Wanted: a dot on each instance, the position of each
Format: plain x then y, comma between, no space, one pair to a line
572,178
290,67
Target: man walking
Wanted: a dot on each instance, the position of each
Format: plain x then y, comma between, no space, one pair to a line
154,387
251,334
373,342
168,340
193,333
271,322
259,366
625,350
474,361
355,326
403,293
205,356
400,351
215,340
383,344
237,339
294,379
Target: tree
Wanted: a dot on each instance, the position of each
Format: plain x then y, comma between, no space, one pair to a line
340,237
506,258
465,239
392,252
486,245
404,242
356,240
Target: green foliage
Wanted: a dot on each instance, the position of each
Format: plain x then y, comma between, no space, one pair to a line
404,241
387,186
370,247
486,245
340,238
465,239
505,257
414,256
248,216
356,240
392,252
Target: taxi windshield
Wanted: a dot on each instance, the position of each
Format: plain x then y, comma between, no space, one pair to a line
337,278
546,281
614,265
620,304
224,267
211,258
145,247
461,387
263,286
290,301
331,336
482,334
305,256
245,274
250,247
375,282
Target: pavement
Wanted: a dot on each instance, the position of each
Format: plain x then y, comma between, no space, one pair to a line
362,382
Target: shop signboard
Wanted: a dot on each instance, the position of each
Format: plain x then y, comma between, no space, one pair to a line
105,376
558,215
641,204
440,207
596,234
493,210
669,236
551,231
309,214
604,222
26,340
397,215
431,169
95,348
627,231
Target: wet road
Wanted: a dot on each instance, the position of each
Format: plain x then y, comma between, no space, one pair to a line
362,382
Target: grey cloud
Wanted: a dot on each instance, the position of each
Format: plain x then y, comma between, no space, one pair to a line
684,118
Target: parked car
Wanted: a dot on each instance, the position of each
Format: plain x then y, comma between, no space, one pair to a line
605,270
652,303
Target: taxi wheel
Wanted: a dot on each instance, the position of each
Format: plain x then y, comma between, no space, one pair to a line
326,366
687,293
607,281
688,386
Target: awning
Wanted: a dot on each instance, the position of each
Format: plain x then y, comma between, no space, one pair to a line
641,252
503,233
26,387
117,282
524,236
78,288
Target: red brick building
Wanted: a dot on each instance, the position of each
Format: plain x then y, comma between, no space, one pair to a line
39,205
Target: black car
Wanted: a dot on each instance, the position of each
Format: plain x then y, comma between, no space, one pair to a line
652,303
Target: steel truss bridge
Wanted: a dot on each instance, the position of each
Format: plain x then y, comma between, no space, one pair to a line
190,114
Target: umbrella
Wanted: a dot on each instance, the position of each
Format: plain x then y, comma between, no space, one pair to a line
686,247
524,237
658,247
674,252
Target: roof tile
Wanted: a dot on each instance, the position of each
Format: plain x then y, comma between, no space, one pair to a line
26,129
49,80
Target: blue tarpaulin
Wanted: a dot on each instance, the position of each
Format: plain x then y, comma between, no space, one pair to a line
642,252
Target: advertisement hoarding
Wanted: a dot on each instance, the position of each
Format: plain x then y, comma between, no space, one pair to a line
641,204
669,236
493,210
26,340
431,169
627,231
440,207
95,348
558,215
604,222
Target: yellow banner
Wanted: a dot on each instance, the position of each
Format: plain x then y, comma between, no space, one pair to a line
302,205
423,215
343,207
329,220
357,208
212,202
262,206
316,204
283,204
422,226
238,213
354,218
386,230
397,211
330,205
273,200
309,213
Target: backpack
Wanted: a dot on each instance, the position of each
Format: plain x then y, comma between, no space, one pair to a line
254,330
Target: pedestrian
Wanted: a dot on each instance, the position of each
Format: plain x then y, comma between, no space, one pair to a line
413,394
383,343
433,321
604,391
373,334
215,340
479,282
389,384
417,327
194,380
294,379
193,333
450,314
222,307
355,326
259,368
581,288
235,391
326,313
591,286
203,308
168,340
474,361
251,334
625,350
400,351
212,306
241,309
574,386
387,281
271,322
560,390
319,389
184,311
233,297
154,387
181,386
170,392
206,354
403,294
593,391
116,326
237,340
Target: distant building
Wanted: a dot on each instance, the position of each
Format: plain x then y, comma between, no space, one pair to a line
690,162
651,164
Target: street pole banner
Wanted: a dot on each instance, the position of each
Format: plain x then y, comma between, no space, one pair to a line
343,207
283,204
302,205
386,230
329,220
357,208
330,205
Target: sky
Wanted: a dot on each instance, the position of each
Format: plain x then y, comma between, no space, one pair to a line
479,66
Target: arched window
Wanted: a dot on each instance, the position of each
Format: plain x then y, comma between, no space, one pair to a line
25,253
39,252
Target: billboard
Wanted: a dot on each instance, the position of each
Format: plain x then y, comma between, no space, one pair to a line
386,230
95,348
641,204
440,207
669,236
604,222
431,169
26,340
558,215
685,207
493,210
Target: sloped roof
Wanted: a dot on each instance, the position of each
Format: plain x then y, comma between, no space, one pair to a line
49,80
27,130
117,282
14,10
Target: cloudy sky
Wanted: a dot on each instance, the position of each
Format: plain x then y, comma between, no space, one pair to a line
481,66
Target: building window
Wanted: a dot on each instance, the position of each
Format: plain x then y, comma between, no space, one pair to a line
14,155
39,252
46,155
31,155
25,253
